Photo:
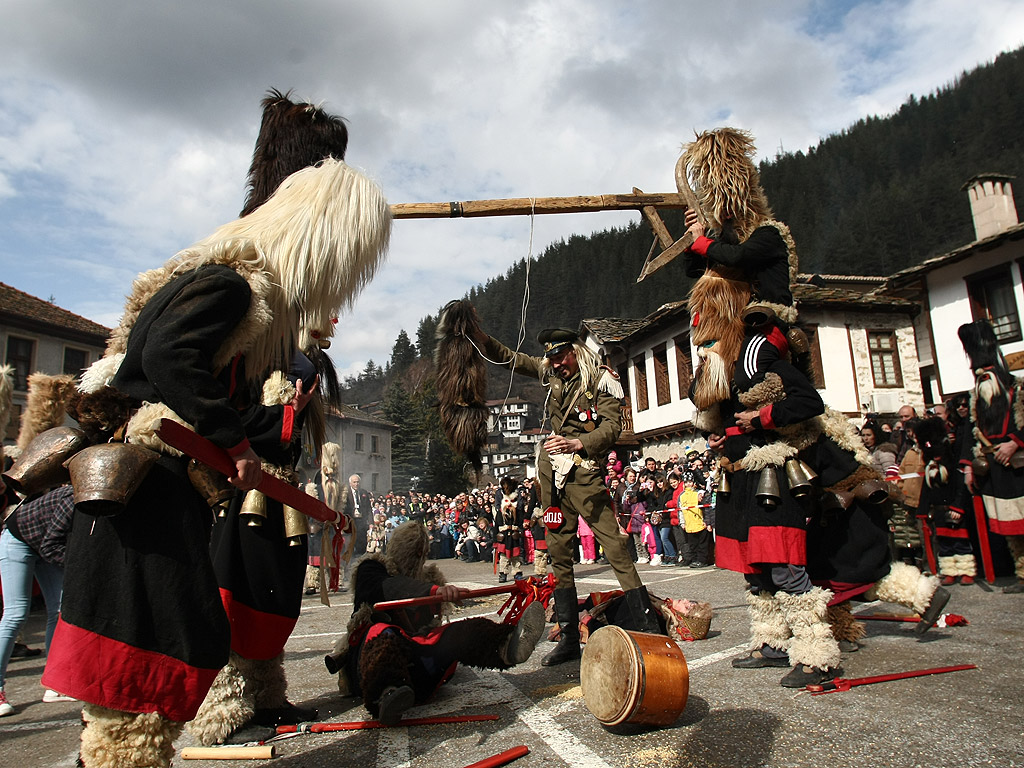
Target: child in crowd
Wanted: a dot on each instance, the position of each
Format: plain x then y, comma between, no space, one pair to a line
696,529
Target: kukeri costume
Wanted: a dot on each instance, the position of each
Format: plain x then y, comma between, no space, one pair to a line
795,569
997,413
199,335
510,520
398,658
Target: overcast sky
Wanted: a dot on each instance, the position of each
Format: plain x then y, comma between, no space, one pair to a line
126,128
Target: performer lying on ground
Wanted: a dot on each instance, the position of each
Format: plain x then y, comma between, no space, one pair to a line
396,659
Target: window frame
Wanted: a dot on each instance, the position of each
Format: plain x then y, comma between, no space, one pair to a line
640,373
1000,276
894,351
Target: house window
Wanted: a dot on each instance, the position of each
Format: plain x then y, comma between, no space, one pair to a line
817,369
359,442
991,296
19,357
75,360
640,366
661,387
373,481
374,444
885,362
684,365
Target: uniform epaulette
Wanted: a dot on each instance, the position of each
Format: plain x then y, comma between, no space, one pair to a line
609,382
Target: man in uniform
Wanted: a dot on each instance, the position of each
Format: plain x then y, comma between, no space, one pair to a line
583,409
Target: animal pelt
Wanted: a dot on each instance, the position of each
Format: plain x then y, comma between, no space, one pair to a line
720,164
905,585
383,663
767,624
813,643
461,381
115,739
6,399
711,380
229,704
292,135
844,626
46,405
100,413
769,390
715,303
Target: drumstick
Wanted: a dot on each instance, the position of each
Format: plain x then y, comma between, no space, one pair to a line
228,753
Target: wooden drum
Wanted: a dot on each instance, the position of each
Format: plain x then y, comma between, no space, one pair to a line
633,677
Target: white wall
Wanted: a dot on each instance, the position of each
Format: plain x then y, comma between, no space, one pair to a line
679,409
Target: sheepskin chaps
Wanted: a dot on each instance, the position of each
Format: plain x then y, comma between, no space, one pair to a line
461,381
46,405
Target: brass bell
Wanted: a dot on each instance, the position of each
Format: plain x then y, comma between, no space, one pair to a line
295,526
872,492
106,476
844,498
811,474
254,508
41,464
796,477
724,486
212,486
768,487
981,466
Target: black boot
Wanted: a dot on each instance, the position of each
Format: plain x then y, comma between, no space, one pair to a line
645,618
567,612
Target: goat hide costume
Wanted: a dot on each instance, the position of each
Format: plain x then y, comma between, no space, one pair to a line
196,343
261,568
997,413
400,657
461,381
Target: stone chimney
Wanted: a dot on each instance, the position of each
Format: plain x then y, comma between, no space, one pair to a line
992,204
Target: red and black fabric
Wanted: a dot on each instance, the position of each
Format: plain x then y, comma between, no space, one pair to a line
513,541
750,533
142,627
763,260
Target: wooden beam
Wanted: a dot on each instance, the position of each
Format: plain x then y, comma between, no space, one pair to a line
524,206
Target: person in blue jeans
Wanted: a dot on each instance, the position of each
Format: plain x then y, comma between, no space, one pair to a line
663,518
32,547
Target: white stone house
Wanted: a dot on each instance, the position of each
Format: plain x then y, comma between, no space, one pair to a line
38,336
365,443
981,280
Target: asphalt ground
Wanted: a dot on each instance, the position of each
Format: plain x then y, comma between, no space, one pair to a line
733,718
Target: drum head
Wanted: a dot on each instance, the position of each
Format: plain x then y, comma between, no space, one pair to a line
611,675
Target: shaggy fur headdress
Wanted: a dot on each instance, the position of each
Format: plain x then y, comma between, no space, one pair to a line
720,165
46,405
461,381
982,348
293,135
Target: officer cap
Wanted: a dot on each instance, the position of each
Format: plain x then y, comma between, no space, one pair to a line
555,340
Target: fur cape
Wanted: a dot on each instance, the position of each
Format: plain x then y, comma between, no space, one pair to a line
461,381
46,406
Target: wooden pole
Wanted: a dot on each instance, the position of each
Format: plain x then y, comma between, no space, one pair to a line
228,753
525,206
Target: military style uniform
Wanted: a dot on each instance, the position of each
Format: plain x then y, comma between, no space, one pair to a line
594,419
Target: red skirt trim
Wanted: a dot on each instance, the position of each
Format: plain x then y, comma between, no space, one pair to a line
255,634
112,674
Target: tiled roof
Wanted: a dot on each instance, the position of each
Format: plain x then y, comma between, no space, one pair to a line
806,295
611,329
18,307
904,276
347,412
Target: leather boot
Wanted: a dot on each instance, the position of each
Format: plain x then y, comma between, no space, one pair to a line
645,618
567,613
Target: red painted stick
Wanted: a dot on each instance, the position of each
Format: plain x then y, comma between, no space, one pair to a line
465,594
501,758
981,524
887,617
842,684
362,725
199,448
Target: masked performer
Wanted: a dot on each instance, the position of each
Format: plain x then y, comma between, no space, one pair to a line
992,460
398,658
196,343
583,405
763,412
509,524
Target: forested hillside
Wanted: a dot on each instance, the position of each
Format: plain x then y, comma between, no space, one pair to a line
881,195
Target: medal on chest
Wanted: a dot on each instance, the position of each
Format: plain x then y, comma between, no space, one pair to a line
588,419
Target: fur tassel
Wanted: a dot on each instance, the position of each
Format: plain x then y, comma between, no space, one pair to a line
115,739
143,425
461,381
46,406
